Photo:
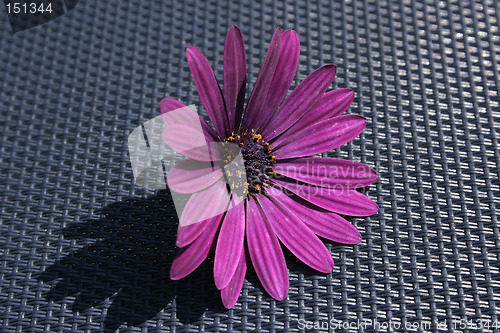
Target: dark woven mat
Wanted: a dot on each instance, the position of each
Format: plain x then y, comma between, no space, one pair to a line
83,249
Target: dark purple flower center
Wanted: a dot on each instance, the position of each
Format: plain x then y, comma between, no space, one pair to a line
258,163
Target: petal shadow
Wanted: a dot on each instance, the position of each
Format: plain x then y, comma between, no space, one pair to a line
125,260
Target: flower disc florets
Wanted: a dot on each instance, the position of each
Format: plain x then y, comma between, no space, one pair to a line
258,161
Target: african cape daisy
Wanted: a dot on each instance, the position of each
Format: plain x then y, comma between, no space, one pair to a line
285,195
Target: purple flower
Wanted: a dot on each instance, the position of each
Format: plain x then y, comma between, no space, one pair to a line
286,195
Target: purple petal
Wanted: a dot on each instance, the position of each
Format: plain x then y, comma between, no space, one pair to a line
295,235
209,90
205,204
331,104
229,245
282,79
191,142
188,234
322,222
191,176
328,172
232,291
185,116
235,74
261,88
337,199
169,104
265,252
302,98
320,137
189,258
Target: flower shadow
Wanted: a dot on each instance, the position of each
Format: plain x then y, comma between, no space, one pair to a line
126,261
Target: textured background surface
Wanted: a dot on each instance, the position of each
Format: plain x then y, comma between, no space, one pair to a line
83,249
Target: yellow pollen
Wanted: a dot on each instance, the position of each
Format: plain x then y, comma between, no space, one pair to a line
238,172
273,157
230,138
238,137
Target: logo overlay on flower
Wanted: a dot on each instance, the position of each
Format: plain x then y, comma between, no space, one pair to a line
174,144
254,180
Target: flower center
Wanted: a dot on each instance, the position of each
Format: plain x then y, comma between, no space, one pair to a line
258,162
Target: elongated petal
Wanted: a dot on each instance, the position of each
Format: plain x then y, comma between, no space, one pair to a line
265,252
232,291
189,233
190,176
331,104
229,245
205,204
302,98
322,222
189,258
282,79
187,133
328,172
209,90
320,137
192,143
235,74
169,104
183,115
338,200
262,85
295,235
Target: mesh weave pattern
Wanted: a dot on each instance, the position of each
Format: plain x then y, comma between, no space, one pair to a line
83,249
